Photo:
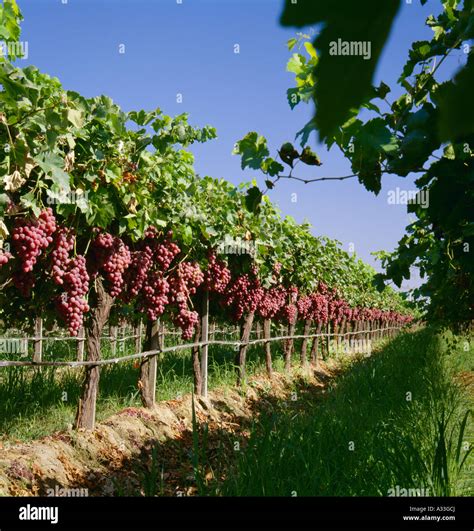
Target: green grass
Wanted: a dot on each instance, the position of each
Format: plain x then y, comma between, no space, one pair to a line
395,419
38,402
362,436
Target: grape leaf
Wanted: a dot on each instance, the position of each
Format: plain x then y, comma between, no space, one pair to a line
344,81
456,105
253,199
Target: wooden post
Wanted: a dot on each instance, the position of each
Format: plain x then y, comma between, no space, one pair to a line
315,345
335,341
113,339
147,382
138,338
289,343
100,310
267,326
258,330
212,330
204,339
242,354
196,359
38,343
162,334
304,344
328,338
80,344
342,330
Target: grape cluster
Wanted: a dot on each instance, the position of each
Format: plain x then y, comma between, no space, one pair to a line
155,295
187,321
111,257
243,295
5,257
24,282
293,294
72,304
289,313
137,272
184,283
165,253
31,236
373,314
217,276
319,307
271,302
63,245
151,232
304,305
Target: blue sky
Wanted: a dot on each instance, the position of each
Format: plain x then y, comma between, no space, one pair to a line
188,48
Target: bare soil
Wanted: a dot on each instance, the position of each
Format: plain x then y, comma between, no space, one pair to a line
115,458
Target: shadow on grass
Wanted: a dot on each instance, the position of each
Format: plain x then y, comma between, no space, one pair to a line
394,419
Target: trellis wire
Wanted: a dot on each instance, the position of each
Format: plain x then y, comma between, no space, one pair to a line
174,348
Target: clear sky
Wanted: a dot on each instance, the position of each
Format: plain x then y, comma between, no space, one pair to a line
188,48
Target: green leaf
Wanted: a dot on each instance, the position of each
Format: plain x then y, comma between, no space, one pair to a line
271,167
310,49
382,90
296,63
52,165
253,199
102,211
75,117
29,200
343,81
455,100
293,95
187,235
288,153
4,199
253,150
292,43
372,141
309,157
305,132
